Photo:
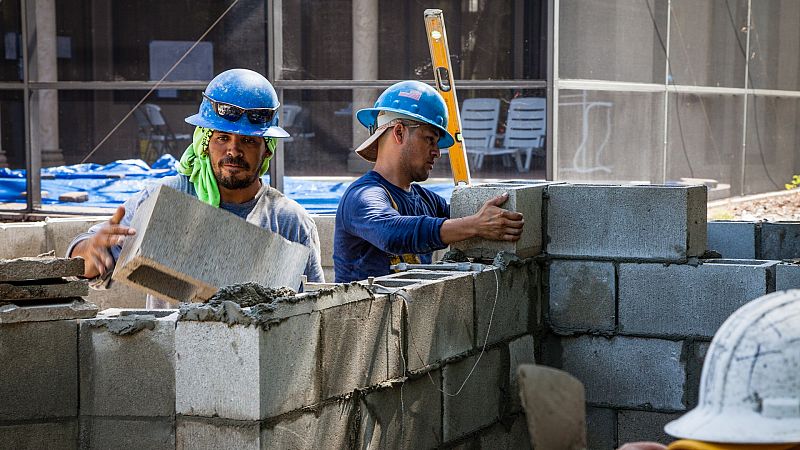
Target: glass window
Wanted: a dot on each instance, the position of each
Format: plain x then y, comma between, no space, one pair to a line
617,40
12,150
705,138
772,142
775,45
707,42
610,136
11,66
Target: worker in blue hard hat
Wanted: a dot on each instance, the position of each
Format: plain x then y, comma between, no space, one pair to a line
233,142
384,217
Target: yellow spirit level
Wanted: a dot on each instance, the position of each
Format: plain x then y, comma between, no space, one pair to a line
440,55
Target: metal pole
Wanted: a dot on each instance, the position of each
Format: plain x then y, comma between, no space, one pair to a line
552,89
33,199
274,67
664,160
744,102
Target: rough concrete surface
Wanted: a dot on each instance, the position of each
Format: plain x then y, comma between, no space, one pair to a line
601,428
734,239
39,370
517,297
213,434
520,351
331,425
627,372
635,426
21,239
582,295
43,289
52,435
61,231
151,433
478,403
325,227
780,240
688,300
649,222
361,345
555,408
67,308
525,199
404,416
787,276
33,268
251,294
117,295
127,366
162,257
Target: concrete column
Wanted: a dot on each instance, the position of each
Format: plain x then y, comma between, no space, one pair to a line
365,67
44,67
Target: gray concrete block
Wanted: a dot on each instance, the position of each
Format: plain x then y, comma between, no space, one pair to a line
627,372
601,425
56,435
193,433
694,371
65,309
162,258
117,296
520,351
330,425
636,426
508,434
522,198
325,227
32,268
39,370
361,345
43,289
479,401
688,300
60,231
787,276
649,222
127,365
734,239
246,372
403,416
438,315
22,239
582,295
780,240
517,296
128,433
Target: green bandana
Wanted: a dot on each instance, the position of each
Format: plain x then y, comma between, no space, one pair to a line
196,164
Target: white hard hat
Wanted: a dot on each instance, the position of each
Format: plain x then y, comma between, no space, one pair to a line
750,386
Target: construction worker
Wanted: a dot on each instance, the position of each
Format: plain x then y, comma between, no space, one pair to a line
384,217
750,386
235,137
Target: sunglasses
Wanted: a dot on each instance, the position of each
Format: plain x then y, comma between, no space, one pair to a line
233,113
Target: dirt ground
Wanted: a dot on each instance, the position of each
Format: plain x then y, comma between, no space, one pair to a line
772,207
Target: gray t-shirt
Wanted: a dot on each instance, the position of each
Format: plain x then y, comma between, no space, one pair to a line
269,209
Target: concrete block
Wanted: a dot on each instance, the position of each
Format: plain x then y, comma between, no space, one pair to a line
325,226
636,426
522,198
403,416
734,239
127,364
517,293
688,300
479,401
39,370
787,276
162,258
74,197
60,231
246,372
601,425
22,239
55,435
439,315
43,289
128,433
32,268
627,372
582,295
694,371
65,309
330,425
117,296
361,345
520,351
194,433
508,434
780,240
649,222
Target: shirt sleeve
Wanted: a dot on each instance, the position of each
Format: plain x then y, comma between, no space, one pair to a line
368,213
313,270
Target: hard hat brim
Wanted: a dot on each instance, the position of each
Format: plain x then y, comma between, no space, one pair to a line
747,427
242,127
368,116
369,148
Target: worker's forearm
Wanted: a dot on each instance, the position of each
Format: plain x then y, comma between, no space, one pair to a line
454,230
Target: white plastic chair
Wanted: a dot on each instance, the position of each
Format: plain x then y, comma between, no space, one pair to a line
479,117
526,127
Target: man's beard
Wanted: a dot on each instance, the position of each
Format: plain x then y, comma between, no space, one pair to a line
231,182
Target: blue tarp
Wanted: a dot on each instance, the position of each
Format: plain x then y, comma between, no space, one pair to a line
110,185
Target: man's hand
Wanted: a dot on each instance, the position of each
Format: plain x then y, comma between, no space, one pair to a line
490,222
95,249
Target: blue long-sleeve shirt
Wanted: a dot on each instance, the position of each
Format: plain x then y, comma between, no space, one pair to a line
370,229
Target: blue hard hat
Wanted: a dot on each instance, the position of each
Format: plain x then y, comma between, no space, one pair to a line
415,99
247,90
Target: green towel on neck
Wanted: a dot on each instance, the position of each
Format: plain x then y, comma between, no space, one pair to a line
196,164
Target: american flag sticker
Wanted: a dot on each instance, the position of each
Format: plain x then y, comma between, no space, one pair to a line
415,94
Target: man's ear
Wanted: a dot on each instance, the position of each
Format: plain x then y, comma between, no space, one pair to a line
397,133
267,150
